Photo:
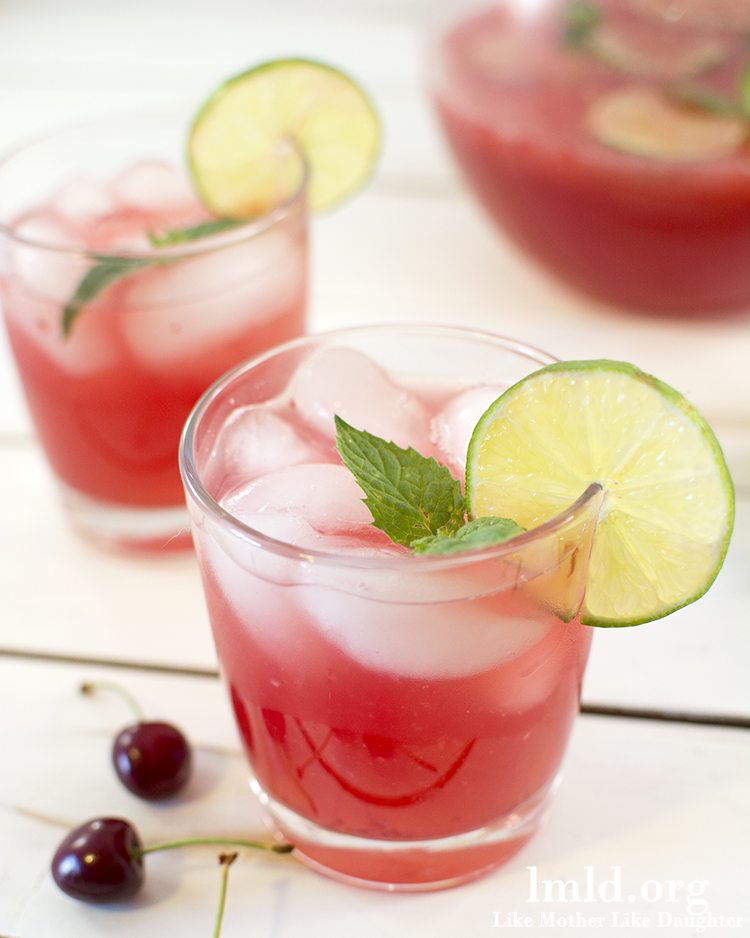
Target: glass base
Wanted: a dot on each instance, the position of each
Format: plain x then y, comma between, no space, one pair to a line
124,527
406,866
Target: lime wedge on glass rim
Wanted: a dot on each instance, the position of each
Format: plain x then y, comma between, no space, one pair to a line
668,507
239,152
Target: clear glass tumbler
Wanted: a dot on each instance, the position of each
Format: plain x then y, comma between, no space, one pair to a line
404,716
114,337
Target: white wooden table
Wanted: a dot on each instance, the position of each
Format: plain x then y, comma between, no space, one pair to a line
657,782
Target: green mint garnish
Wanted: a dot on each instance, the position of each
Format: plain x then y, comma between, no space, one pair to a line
204,229
716,103
413,499
101,275
745,91
111,269
474,535
709,101
579,21
410,496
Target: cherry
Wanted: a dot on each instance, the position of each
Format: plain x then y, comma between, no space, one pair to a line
152,759
100,861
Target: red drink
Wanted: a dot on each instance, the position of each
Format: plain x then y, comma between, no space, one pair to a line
515,92
404,718
110,398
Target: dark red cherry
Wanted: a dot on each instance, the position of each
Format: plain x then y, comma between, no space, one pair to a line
152,759
100,861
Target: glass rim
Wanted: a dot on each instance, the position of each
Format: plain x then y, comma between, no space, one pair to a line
244,231
196,490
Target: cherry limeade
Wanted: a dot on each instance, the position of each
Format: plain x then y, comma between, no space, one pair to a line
369,702
109,401
656,234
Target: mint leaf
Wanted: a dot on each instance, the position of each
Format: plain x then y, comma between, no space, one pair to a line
579,21
709,100
106,272
474,535
745,90
111,269
413,499
410,496
183,235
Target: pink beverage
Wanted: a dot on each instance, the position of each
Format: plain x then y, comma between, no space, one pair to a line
110,397
404,717
515,98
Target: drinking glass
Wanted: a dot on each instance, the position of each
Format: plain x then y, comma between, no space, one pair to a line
404,717
116,338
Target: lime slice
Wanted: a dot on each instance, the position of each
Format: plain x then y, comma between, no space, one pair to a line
239,150
645,122
644,49
668,507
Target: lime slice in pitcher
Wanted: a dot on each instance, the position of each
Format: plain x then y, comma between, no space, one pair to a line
648,123
239,144
668,507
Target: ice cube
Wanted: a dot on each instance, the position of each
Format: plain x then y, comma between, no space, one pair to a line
280,525
82,201
252,580
451,428
278,597
428,641
346,382
89,348
253,442
324,495
153,186
179,311
124,230
257,582
47,269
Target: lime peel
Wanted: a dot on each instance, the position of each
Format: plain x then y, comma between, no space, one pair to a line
668,511
249,142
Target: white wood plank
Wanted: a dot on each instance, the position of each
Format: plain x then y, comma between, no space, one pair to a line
142,57
694,660
660,802
60,595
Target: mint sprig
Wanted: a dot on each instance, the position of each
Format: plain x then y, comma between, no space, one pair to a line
745,91
412,498
204,229
579,21
97,279
709,100
109,270
474,535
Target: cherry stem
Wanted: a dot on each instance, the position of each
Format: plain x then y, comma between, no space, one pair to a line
90,687
226,860
213,842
